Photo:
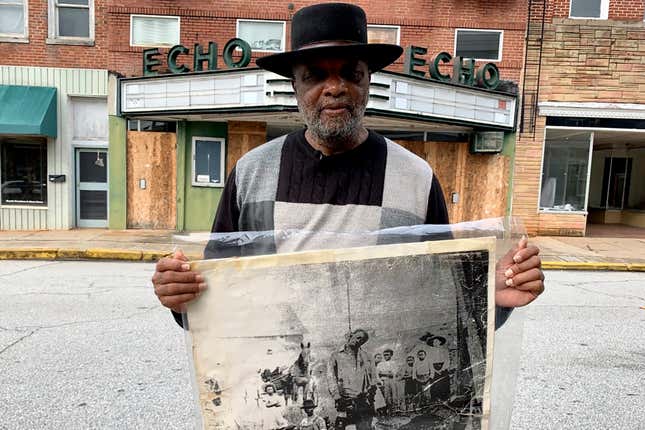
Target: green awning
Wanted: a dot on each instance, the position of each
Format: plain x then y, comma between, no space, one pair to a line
28,110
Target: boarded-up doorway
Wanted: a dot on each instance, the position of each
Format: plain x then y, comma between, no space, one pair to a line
152,180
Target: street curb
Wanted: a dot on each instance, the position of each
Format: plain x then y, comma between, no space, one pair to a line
152,256
84,254
593,266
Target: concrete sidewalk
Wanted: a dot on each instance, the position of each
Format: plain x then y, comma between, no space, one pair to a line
583,253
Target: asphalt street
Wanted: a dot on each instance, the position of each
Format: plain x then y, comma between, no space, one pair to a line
85,345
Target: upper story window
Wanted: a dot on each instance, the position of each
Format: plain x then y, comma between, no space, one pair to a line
154,30
594,9
13,20
263,36
383,34
71,22
479,44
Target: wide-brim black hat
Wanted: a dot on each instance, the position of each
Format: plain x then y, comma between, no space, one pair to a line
330,30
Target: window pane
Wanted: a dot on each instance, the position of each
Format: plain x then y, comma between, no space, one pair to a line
24,173
382,35
73,22
208,162
155,31
585,8
93,166
12,19
93,204
478,44
565,171
75,2
263,36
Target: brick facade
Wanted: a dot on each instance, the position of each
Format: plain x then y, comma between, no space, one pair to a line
583,60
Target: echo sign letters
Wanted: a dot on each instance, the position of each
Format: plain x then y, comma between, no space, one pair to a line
464,70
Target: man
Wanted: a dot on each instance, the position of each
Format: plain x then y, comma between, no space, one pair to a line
386,371
352,381
335,175
312,421
423,374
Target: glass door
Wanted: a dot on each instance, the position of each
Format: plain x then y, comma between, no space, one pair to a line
91,188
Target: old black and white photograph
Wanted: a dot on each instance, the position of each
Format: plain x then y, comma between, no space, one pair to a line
383,337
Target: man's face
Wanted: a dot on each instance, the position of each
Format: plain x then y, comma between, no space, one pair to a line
421,355
309,411
357,339
410,361
387,355
332,94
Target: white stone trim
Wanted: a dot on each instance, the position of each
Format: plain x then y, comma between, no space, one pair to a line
592,110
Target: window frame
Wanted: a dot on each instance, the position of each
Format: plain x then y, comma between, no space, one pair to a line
500,47
14,37
588,184
283,43
43,142
604,11
397,27
155,16
222,181
52,27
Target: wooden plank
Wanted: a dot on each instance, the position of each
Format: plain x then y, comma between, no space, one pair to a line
151,156
243,136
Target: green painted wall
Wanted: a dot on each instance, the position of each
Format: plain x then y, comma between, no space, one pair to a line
117,168
196,206
510,140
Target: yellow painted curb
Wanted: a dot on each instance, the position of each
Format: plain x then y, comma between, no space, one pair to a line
29,254
113,254
153,255
70,254
574,265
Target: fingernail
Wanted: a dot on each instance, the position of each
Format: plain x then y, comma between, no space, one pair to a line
185,267
517,258
509,282
508,273
199,278
202,286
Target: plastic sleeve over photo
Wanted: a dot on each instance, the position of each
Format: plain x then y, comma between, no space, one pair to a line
388,399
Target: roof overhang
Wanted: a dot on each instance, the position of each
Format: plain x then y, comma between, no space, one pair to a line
592,110
396,100
28,110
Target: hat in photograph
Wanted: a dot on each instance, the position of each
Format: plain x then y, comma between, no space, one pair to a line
308,404
330,30
441,339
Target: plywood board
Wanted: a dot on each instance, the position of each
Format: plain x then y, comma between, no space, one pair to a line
310,327
151,157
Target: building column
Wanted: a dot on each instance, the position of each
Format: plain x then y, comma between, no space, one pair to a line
117,195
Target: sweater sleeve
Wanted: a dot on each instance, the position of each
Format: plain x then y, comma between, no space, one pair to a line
437,212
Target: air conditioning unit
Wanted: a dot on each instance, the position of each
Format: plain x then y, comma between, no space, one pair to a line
487,142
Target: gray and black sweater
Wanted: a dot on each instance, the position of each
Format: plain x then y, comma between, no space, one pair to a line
286,184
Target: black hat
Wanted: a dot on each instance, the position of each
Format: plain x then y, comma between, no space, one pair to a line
308,403
330,30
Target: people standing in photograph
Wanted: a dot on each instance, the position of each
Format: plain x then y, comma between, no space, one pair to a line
352,383
311,421
423,375
272,409
386,371
410,385
439,356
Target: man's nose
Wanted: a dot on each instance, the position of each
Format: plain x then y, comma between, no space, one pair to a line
335,86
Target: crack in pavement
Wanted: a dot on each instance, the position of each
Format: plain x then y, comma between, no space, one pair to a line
29,268
35,329
616,296
17,341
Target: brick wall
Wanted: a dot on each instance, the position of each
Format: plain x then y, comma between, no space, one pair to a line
429,24
38,53
582,61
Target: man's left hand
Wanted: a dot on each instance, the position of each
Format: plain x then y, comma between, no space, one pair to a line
518,276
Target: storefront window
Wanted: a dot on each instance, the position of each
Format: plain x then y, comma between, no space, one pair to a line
565,170
24,172
208,162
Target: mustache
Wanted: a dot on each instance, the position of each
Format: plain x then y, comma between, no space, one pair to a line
347,104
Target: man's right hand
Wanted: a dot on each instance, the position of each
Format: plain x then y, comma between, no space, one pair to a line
175,284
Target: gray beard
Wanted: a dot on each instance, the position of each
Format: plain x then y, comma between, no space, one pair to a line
334,134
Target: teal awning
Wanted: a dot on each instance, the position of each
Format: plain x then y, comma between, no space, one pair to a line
28,110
